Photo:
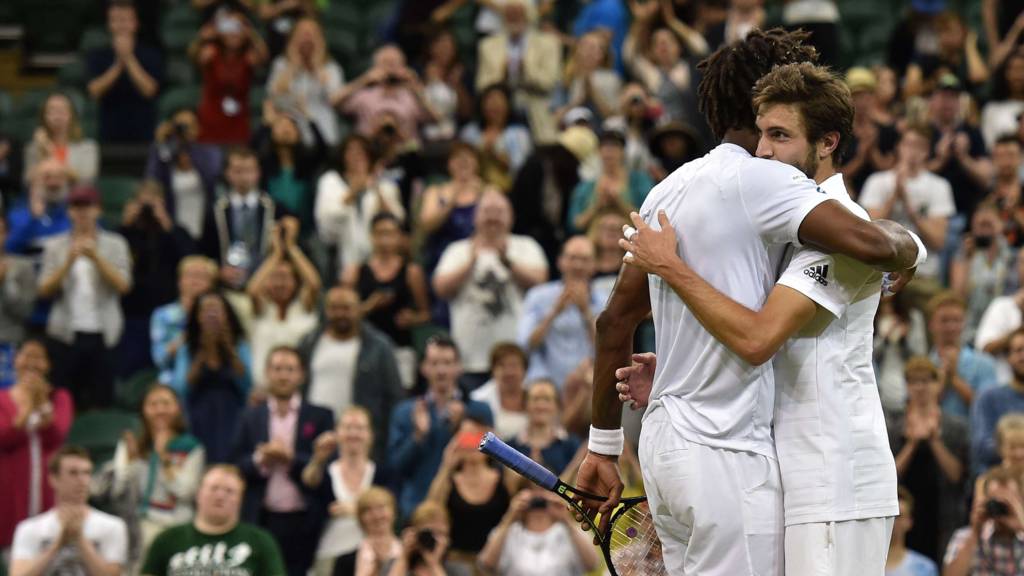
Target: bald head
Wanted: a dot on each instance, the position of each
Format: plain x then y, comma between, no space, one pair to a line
578,260
493,215
53,178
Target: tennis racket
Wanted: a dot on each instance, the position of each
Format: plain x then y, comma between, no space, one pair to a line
630,544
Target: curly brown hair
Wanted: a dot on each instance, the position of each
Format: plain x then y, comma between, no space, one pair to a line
729,74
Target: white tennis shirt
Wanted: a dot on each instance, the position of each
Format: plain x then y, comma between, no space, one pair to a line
830,432
734,215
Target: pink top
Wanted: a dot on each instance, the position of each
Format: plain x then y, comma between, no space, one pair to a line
282,493
369,103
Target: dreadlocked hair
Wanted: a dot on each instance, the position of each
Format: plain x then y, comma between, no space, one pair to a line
729,75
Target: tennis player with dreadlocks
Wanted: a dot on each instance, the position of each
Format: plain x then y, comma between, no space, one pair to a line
706,450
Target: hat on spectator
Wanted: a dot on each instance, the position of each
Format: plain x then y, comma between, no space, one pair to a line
479,414
676,128
578,116
860,79
83,196
928,6
579,140
612,135
949,81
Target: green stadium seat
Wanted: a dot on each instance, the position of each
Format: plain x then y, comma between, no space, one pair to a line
52,26
99,431
115,192
345,14
6,104
177,98
176,40
73,74
180,71
130,392
94,38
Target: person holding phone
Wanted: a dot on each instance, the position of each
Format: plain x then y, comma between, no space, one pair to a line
993,542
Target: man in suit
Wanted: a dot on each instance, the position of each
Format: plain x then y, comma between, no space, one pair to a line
274,445
236,232
529,61
351,362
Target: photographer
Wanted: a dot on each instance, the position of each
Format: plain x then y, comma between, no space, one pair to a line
424,543
984,266
535,538
993,543
186,169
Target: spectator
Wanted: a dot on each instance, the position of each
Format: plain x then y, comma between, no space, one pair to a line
915,35
615,188
86,271
44,213
473,491
288,166
874,140
17,295
71,537
444,83
187,170
350,475
10,168
448,210
999,115
887,96
590,80
931,458
484,277
958,54
1005,189
393,290
281,18
285,296
125,78
528,61
900,333
238,229
421,427
352,363
544,439
672,145
958,150
605,231
379,547
990,543
901,560
196,275
538,536
609,17
505,392
982,269
308,76
388,87
32,413
274,445
154,477
1010,440
558,322
424,555
349,198
635,118
542,189
216,526
212,373
965,372
228,51
657,60
1003,25
59,136
994,403
156,246
503,145
913,196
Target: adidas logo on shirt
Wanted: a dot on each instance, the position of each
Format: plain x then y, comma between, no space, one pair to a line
819,273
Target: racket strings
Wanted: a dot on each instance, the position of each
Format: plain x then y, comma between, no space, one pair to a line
634,548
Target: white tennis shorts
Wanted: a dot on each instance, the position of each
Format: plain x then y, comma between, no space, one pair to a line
851,548
718,512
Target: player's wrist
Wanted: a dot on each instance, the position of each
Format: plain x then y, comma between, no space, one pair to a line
606,442
922,252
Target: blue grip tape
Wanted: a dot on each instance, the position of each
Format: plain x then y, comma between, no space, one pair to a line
516,460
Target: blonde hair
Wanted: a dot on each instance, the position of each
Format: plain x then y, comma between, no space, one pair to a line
374,496
428,512
209,266
75,127
920,364
943,299
1008,424
356,409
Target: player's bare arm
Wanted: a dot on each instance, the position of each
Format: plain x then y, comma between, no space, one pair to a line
882,244
753,335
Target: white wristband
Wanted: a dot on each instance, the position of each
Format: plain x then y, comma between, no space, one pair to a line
606,442
922,252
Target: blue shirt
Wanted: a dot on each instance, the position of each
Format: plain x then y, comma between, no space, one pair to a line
987,409
166,324
555,456
610,14
978,369
25,232
567,342
914,564
183,361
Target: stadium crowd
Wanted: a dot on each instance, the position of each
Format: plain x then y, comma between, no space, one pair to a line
319,302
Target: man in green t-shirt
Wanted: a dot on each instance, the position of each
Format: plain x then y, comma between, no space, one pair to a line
215,542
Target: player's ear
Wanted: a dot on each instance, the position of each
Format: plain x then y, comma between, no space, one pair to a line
828,144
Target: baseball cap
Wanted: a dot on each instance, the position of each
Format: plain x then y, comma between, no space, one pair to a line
928,6
949,81
860,79
83,196
578,115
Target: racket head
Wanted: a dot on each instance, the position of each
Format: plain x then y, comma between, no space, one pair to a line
630,545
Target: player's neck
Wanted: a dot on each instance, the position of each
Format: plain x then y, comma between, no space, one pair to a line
746,139
824,172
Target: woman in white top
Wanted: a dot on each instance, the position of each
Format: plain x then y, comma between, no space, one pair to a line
284,293
999,116
590,79
307,73
444,87
348,199
503,145
350,475
59,136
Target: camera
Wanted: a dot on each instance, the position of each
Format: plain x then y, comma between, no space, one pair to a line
426,540
393,80
537,503
637,100
996,509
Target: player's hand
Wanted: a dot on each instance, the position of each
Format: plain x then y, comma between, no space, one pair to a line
652,251
635,381
599,475
894,282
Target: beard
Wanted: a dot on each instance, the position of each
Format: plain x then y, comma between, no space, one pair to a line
810,164
343,326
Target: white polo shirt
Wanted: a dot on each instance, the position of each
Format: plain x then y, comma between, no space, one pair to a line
734,214
830,432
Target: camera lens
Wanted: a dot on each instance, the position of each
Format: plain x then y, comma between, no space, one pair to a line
996,509
426,540
537,503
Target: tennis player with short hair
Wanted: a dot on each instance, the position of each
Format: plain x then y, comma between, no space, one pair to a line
838,474
706,448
